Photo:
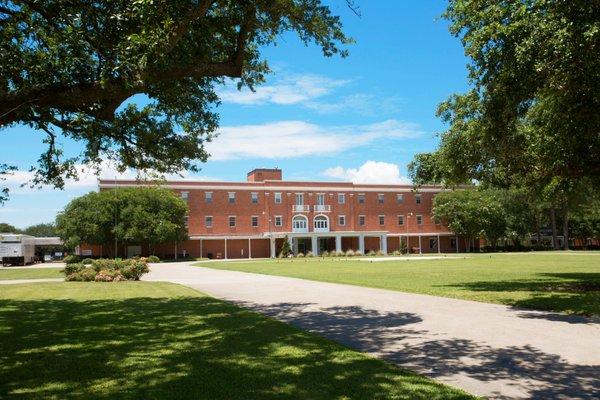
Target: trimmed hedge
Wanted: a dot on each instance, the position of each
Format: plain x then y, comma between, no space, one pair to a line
107,270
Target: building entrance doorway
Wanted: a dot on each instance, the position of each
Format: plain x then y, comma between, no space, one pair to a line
304,245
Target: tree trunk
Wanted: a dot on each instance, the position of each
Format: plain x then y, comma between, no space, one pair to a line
553,226
538,228
566,227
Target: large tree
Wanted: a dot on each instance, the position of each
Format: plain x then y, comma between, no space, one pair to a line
68,67
125,215
41,230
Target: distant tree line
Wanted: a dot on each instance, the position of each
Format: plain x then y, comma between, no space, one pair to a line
38,230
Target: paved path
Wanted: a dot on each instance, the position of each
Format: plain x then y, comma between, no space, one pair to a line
486,349
15,281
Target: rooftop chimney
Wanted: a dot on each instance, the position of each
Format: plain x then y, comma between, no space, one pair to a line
265,174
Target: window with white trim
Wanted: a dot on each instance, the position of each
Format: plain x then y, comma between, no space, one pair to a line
185,195
419,220
417,198
321,222
254,221
208,197
380,198
186,221
254,197
400,219
278,221
341,198
399,198
232,221
208,221
299,199
361,220
277,197
382,220
361,198
299,222
341,220
231,197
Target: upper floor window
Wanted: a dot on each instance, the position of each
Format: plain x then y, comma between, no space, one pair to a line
417,198
382,220
380,198
232,221
254,197
341,198
320,199
361,220
399,198
400,219
186,221
299,199
185,195
208,221
342,220
321,222
208,197
278,220
254,221
419,220
361,198
231,197
277,197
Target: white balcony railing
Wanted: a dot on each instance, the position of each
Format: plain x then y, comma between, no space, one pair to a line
322,208
300,208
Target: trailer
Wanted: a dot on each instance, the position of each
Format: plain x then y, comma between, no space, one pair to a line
17,249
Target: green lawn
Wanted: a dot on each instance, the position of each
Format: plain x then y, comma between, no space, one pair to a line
142,340
30,273
565,282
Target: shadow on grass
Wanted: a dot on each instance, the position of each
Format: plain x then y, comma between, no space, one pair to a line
391,336
574,293
183,348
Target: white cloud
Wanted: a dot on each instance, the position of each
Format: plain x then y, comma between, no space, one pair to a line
359,103
293,139
369,172
293,89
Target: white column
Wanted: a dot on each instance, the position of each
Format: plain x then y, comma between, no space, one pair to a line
439,247
383,243
338,243
226,248
420,251
315,245
249,248
361,244
272,242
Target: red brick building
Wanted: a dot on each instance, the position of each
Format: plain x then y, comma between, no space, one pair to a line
250,219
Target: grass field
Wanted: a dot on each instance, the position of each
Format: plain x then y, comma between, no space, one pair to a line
30,273
142,340
556,281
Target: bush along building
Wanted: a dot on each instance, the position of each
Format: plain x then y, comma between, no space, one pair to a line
252,219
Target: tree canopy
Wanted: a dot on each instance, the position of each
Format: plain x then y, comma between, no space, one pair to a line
68,67
41,230
128,215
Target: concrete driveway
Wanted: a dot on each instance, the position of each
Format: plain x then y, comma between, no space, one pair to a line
486,349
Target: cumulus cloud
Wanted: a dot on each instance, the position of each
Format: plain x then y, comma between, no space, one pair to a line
369,172
293,89
293,139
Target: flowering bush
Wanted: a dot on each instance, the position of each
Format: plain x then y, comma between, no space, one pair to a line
107,270
153,259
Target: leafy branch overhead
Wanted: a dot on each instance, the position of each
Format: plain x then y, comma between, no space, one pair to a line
68,66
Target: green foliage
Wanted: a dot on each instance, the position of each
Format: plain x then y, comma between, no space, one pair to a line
133,215
72,258
41,230
107,270
585,222
153,259
286,249
8,228
403,247
69,67
87,261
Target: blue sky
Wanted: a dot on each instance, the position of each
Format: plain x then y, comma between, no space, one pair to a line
361,118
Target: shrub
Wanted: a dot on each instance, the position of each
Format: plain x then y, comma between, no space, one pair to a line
72,268
300,255
403,248
107,270
340,254
350,253
134,270
71,259
310,254
371,253
325,254
396,253
358,253
380,253
87,274
106,275
153,259
87,261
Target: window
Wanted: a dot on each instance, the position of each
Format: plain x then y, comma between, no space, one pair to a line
299,223
399,198
232,221
320,199
418,198
278,198
254,197
361,198
186,221
380,198
341,198
254,221
185,195
278,220
400,219
361,220
341,220
382,220
208,221
231,197
208,197
299,199
321,222
419,220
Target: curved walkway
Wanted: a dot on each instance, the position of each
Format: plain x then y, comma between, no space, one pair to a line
486,349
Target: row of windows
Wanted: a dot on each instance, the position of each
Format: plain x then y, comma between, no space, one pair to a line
341,198
278,220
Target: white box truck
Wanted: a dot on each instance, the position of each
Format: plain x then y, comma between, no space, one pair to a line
17,249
